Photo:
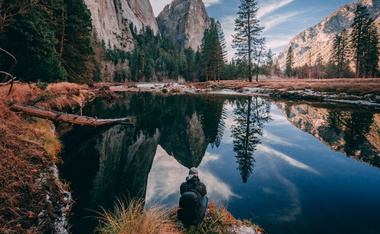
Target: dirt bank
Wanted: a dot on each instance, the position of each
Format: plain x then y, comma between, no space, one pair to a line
32,198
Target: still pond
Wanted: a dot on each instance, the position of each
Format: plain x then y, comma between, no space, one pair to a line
289,167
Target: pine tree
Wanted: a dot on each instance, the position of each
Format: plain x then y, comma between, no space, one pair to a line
212,54
75,50
247,33
289,62
222,51
372,54
259,53
269,63
340,53
360,38
31,38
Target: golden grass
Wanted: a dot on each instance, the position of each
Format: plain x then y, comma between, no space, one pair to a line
133,219
352,86
29,146
157,219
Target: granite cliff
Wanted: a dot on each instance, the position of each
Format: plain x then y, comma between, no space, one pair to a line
318,39
184,22
111,20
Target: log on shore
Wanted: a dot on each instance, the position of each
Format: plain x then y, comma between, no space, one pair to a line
69,118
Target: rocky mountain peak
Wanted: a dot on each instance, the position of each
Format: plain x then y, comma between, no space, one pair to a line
184,22
111,20
317,40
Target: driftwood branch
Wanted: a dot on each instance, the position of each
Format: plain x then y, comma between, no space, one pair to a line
69,118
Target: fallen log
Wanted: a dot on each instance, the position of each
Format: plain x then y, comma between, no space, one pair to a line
69,118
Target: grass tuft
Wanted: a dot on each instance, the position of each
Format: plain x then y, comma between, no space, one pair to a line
133,219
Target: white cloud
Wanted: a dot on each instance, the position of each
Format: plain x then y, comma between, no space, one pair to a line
286,158
278,42
274,20
271,6
210,2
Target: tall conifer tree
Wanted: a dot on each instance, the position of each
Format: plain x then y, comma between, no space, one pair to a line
247,33
340,53
360,37
289,62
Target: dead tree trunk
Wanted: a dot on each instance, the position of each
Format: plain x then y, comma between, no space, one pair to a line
69,118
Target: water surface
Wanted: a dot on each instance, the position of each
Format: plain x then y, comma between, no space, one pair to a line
289,167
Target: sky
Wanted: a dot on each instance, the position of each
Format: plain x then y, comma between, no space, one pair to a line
282,19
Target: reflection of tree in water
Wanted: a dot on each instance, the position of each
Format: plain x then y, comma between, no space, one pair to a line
250,117
213,114
354,127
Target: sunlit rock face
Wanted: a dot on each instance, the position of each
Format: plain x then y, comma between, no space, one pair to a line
185,140
318,39
184,22
111,20
340,130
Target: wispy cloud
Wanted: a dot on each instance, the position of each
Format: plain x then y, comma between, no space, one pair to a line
270,22
210,2
286,158
271,6
278,42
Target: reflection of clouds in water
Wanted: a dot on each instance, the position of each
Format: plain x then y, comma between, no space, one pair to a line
274,139
167,175
279,118
217,191
286,158
290,213
209,158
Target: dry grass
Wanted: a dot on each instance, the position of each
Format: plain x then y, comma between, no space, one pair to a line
219,220
133,219
352,86
28,148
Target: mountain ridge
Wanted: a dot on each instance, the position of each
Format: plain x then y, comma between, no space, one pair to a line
318,39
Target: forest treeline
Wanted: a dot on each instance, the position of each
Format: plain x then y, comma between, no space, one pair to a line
53,40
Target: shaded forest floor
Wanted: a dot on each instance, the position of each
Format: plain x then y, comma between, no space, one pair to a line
33,199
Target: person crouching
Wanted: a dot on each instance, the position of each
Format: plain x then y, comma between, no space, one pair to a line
193,201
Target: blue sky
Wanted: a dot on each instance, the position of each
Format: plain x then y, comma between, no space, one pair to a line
282,19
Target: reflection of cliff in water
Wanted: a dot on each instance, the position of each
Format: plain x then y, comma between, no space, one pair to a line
102,164
354,132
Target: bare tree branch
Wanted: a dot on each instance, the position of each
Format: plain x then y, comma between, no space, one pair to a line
7,74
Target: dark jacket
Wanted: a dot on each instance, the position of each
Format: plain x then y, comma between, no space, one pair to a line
194,184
